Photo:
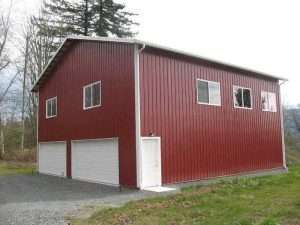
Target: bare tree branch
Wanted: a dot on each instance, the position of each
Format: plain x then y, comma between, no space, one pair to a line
4,31
2,96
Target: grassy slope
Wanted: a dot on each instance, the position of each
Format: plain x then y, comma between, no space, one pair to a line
15,168
264,200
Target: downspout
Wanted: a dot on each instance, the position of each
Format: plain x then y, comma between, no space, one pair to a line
138,143
142,48
282,127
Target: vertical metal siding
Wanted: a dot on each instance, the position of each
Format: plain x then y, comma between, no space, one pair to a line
201,141
84,63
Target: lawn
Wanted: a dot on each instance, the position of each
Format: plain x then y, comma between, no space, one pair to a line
10,168
266,200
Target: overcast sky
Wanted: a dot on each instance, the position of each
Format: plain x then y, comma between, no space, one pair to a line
260,34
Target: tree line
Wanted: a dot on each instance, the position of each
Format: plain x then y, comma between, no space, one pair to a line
41,36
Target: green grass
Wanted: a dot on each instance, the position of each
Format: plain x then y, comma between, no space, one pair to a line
270,200
9,168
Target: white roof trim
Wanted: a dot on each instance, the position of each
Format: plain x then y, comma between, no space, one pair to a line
135,41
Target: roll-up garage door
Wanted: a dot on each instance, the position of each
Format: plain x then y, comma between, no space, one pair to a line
96,161
52,158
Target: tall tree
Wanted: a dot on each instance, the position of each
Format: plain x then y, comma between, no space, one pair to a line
89,17
4,32
110,18
24,90
39,45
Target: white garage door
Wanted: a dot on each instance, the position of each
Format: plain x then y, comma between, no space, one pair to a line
52,158
96,161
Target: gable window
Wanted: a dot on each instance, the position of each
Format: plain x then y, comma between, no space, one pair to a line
51,107
92,95
268,101
208,92
242,97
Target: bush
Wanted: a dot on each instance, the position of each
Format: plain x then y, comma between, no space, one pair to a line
28,155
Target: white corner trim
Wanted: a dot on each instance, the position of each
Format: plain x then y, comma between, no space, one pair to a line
282,129
137,116
37,130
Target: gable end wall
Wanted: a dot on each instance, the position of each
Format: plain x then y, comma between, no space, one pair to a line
83,63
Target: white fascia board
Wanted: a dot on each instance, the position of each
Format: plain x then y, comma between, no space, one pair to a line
139,42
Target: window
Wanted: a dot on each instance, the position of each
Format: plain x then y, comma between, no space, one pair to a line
268,101
92,95
208,92
242,97
51,107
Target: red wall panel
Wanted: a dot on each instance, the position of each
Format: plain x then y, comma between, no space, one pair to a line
84,63
202,141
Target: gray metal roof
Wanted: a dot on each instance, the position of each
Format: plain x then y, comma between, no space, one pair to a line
68,40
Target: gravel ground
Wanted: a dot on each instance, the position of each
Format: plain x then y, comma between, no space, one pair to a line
42,200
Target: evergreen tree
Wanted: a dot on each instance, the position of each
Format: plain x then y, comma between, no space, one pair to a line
89,17
111,18
68,17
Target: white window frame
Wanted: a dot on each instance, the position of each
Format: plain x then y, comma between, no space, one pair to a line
208,81
233,97
261,95
47,100
87,86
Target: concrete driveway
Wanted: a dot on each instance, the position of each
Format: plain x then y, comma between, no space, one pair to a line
40,199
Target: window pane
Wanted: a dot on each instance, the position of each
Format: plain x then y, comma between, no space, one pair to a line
214,93
48,108
264,101
203,92
88,97
238,97
247,98
53,107
272,102
96,94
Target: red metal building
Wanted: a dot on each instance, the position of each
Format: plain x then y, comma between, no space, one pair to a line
126,112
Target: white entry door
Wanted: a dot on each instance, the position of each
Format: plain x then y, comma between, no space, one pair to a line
96,160
52,158
150,162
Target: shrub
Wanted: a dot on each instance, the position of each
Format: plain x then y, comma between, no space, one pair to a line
28,155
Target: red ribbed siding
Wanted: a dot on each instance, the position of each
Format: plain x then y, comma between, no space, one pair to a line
200,141
84,63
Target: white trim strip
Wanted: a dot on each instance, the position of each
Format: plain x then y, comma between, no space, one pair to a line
137,116
96,139
37,129
282,130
